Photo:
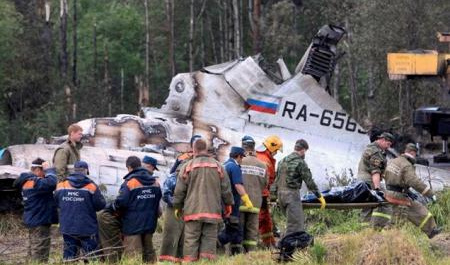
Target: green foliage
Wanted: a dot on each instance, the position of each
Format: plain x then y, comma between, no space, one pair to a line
318,252
335,221
32,92
441,209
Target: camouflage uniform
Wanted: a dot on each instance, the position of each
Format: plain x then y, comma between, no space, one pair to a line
400,176
110,235
292,171
254,176
172,238
202,186
373,161
66,155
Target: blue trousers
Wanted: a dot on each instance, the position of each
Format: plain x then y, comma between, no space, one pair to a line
73,243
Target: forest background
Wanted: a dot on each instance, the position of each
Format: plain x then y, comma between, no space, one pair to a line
67,60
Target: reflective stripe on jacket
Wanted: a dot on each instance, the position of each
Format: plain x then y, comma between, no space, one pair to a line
201,187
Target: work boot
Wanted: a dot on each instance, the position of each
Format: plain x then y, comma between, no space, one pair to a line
235,250
434,232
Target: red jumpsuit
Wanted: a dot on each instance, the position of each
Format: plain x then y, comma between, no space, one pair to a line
265,220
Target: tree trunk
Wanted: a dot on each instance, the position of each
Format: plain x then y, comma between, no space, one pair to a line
256,18
64,59
230,30
47,38
241,28
213,41
142,91
337,81
121,89
63,39
74,36
191,38
371,93
202,41
147,47
352,73
170,7
237,37
226,31
95,53
221,33
106,80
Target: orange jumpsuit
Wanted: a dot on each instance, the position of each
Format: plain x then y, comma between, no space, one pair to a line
265,220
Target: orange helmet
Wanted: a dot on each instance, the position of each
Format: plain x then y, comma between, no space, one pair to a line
273,143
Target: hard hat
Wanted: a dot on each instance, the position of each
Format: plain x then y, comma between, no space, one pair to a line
273,143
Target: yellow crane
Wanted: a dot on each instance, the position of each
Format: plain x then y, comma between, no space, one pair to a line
421,63
427,64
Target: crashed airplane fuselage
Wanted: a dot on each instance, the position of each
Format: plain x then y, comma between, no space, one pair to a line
223,103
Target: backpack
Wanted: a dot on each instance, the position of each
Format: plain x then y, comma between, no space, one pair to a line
291,242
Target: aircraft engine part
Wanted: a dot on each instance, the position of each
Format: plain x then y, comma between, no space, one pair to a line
322,55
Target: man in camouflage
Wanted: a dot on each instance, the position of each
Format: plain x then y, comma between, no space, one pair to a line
292,172
371,167
254,177
201,188
400,175
68,152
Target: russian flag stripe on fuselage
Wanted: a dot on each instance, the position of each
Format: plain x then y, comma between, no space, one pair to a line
262,106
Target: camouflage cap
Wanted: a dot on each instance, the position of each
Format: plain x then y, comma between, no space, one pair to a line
411,147
387,136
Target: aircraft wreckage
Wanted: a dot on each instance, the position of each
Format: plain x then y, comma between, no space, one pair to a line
223,103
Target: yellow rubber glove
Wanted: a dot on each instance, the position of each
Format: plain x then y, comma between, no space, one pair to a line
178,214
322,201
246,201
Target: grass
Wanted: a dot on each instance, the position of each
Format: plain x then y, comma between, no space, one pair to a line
441,209
339,239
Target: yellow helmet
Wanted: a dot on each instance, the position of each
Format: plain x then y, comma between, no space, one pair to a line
273,143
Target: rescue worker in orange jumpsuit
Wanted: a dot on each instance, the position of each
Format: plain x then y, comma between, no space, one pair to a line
266,153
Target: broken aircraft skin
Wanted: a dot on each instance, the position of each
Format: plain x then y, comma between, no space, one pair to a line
223,103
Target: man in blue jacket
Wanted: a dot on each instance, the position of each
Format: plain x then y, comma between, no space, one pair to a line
173,231
78,198
233,232
138,201
39,207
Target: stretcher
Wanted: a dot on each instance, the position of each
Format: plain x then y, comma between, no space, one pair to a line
344,206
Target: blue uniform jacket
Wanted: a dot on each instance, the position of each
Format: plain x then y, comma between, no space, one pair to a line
78,198
168,189
234,171
39,205
138,200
